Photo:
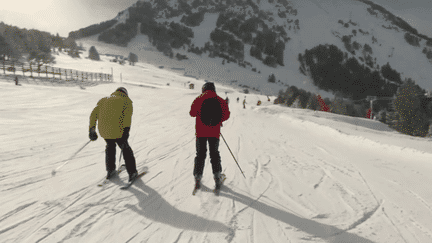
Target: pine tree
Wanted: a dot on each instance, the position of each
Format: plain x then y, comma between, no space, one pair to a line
313,103
429,133
4,48
271,78
281,99
280,48
291,93
72,47
382,116
41,51
392,116
339,107
411,120
390,74
133,58
93,54
57,41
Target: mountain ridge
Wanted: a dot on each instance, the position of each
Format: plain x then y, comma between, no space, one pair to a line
296,26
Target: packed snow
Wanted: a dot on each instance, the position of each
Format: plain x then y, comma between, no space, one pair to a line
309,176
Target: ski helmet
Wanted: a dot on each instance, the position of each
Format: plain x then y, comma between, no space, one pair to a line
123,90
208,86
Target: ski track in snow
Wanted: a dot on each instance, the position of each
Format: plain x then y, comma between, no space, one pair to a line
310,176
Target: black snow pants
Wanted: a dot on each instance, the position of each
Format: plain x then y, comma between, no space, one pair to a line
110,155
201,151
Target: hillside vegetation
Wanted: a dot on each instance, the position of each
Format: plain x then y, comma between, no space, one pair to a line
356,59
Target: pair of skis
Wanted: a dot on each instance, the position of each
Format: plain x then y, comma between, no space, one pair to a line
215,191
120,169
129,184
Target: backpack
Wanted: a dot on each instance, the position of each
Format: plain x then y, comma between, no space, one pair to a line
211,112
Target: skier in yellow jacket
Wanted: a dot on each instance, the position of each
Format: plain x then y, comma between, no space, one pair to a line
114,117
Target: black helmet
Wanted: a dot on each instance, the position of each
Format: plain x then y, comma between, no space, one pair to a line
208,86
123,90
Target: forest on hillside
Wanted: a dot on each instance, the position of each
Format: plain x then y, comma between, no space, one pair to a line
352,79
92,29
332,70
227,40
400,103
21,45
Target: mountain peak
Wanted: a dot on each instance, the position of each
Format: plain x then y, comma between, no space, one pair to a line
269,35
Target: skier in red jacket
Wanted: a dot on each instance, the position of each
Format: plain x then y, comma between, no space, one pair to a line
210,111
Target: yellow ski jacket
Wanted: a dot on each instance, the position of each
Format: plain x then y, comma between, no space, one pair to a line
113,114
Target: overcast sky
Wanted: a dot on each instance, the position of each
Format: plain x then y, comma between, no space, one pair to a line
63,16
60,16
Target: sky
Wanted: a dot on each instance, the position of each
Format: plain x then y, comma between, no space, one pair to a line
60,16
64,16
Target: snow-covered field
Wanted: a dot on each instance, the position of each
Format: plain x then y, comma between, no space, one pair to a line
310,176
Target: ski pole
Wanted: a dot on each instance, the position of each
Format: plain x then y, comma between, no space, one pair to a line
55,170
233,155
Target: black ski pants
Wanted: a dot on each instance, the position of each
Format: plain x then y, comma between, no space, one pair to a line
201,151
110,155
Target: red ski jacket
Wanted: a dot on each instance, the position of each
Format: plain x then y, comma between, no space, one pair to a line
204,130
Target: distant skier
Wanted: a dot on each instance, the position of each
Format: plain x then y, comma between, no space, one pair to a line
238,99
114,117
244,103
227,100
210,111
369,113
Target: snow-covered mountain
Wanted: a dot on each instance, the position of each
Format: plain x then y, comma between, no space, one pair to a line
376,37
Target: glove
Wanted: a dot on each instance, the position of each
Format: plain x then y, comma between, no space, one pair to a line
92,134
125,135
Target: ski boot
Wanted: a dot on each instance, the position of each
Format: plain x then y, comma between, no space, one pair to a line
133,176
197,184
111,174
218,183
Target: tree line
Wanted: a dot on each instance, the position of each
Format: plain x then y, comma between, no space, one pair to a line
400,103
120,35
227,40
164,36
332,70
268,45
35,45
409,112
92,29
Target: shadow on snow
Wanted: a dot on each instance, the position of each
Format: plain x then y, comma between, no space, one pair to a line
154,207
313,228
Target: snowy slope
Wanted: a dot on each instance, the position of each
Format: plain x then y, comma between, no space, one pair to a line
319,19
310,176
318,23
